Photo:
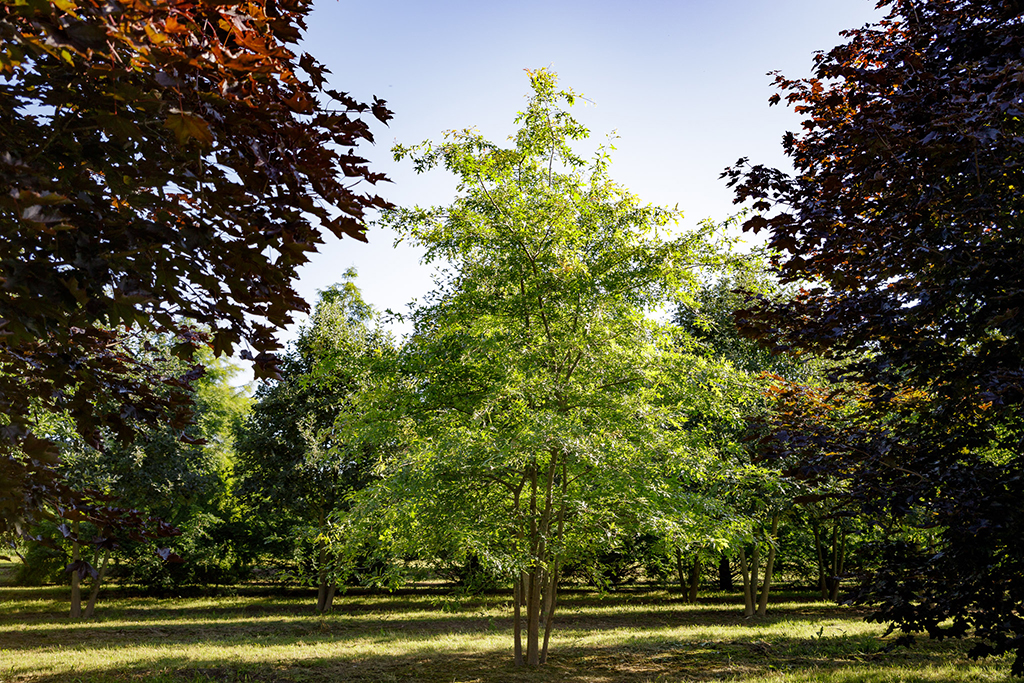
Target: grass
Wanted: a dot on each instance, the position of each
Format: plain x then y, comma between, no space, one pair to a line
642,637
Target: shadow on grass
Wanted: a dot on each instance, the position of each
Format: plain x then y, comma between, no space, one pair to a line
733,661
227,626
406,639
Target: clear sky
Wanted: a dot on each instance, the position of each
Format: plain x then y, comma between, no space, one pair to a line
682,83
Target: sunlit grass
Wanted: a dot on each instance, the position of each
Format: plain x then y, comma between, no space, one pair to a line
433,637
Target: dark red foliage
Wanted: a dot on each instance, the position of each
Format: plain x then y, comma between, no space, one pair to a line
159,160
905,214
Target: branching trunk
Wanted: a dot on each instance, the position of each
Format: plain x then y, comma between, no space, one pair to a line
94,592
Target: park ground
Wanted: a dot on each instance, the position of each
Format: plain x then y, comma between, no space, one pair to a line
432,635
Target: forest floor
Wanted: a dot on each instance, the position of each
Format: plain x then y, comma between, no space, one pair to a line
433,637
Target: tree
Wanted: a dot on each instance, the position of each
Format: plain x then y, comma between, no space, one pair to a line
905,214
294,474
177,486
160,160
535,412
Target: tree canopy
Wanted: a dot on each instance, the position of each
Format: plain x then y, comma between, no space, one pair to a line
539,408
904,215
161,161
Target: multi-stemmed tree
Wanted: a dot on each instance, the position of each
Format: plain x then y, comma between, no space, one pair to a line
539,408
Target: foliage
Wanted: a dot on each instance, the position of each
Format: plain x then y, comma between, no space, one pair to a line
184,482
905,213
160,159
294,472
539,409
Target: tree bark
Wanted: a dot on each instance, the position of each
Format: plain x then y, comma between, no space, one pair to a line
321,594
556,562
533,589
762,605
94,592
517,618
748,602
681,573
823,584
838,564
694,577
76,581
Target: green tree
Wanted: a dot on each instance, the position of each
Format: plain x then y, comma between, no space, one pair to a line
535,412
181,479
295,475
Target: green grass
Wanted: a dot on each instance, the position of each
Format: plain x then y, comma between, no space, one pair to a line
638,637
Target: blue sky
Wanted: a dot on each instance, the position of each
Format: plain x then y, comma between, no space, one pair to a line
683,84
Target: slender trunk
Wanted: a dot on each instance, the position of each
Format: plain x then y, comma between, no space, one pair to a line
838,564
549,612
517,588
748,603
694,577
680,573
724,574
819,550
517,621
762,605
329,602
321,594
755,566
556,565
76,581
533,590
94,592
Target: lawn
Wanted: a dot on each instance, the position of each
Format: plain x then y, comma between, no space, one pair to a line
419,635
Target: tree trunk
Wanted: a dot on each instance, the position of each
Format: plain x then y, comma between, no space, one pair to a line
694,577
321,594
517,586
838,564
819,550
517,618
90,608
748,601
329,602
762,605
76,581
556,565
532,588
724,574
755,566
681,573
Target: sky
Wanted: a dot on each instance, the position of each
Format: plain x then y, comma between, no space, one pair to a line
683,85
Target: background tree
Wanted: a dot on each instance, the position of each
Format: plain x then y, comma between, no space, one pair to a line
294,474
905,212
535,410
182,479
160,159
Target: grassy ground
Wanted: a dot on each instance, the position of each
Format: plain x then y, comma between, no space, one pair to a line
638,637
